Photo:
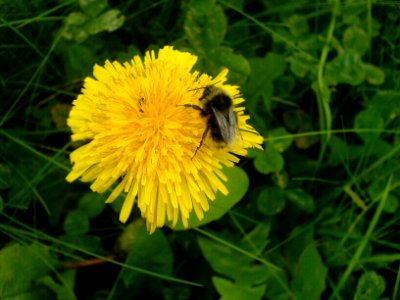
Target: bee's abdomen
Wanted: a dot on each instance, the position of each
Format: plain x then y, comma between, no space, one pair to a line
215,130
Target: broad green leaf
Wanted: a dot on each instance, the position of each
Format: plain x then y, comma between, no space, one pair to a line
298,25
74,27
391,204
149,252
301,64
355,38
109,21
263,72
76,223
339,151
92,204
370,286
271,201
237,185
62,292
268,161
258,85
238,66
386,102
310,275
205,25
273,65
335,252
233,264
279,144
347,67
369,119
302,199
373,74
300,122
233,291
223,259
128,235
80,60
76,18
176,293
299,239
93,7
256,240
21,266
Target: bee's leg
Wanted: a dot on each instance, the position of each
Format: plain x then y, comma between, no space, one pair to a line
202,140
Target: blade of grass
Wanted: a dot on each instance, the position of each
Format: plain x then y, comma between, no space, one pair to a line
42,235
367,236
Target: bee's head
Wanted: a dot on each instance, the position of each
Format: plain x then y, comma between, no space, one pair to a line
217,98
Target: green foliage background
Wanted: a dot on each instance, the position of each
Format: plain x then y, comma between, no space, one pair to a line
314,216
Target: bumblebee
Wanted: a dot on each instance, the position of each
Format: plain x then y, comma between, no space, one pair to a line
221,118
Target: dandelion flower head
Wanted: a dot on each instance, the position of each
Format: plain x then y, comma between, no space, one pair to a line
141,136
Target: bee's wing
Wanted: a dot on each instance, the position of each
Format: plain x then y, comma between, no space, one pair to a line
227,124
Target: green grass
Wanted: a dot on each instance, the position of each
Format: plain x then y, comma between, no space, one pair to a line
320,215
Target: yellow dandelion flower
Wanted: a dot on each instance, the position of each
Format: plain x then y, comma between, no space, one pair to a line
143,133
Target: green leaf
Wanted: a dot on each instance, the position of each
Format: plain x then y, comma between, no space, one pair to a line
280,144
386,102
268,161
238,66
355,38
62,292
247,277
298,25
302,199
368,119
76,223
79,59
391,204
301,64
176,293
256,240
205,25
109,21
273,65
74,27
347,67
128,236
258,85
93,7
271,201
299,239
234,265
92,204
149,252
21,265
370,286
263,72
373,74
237,185
309,277
231,291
